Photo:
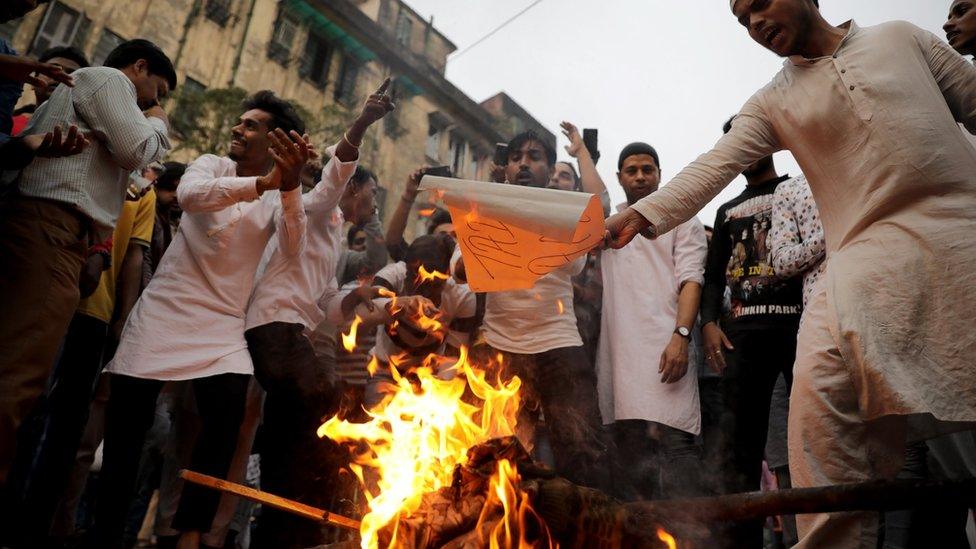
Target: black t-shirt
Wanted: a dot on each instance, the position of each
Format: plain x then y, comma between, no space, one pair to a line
738,257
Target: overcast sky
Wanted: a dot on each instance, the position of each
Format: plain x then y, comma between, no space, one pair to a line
668,72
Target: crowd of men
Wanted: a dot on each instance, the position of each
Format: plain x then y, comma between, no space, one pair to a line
157,315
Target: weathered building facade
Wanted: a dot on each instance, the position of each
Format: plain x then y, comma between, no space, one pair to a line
320,53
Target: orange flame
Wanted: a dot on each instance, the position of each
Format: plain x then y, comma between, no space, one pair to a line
559,306
426,212
349,340
516,512
372,366
423,276
417,435
667,538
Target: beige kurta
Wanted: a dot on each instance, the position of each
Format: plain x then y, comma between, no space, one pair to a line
874,128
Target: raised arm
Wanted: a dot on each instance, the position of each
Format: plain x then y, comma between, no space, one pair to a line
113,117
589,178
790,254
325,196
398,221
955,76
752,137
202,190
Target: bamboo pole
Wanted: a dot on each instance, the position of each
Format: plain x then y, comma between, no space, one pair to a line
271,500
882,495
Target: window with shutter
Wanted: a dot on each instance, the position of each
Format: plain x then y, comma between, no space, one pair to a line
218,11
404,29
345,91
282,37
59,27
316,60
107,42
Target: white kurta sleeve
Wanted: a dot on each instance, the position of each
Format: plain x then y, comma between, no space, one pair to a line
752,137
325,196
690,249
200,189
290,223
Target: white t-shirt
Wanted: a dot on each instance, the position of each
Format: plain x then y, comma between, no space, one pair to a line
457,301
538,319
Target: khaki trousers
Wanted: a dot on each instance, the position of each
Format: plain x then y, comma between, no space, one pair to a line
42,246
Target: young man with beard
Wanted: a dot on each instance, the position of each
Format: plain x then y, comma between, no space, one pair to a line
294,295
871,116
648,386
544,347
960,27
189,323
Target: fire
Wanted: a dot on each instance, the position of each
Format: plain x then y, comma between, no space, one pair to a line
427,212
349,340
517,514
423,275
559,306
667,538
417,435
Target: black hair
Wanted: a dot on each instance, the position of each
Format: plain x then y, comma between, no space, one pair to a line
127,53
283,113
727,127
439,217
635,149
709,228
351,235
67,52
529,136
361,176
572,170
170,178
432,251
816,3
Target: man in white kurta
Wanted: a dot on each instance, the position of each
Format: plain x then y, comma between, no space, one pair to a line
189,322
647,386
870,114
291,298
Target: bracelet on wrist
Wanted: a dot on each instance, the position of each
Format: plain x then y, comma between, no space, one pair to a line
345,136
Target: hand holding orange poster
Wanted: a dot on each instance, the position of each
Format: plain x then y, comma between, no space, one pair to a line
512,235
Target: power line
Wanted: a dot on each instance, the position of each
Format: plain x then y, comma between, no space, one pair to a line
496,29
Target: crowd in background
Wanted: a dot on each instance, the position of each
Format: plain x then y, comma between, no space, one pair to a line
159,316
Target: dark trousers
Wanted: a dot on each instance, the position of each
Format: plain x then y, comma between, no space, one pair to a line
760,356
295,462
654,461
44,463
130,414
43,247
941,526
564,383
712,437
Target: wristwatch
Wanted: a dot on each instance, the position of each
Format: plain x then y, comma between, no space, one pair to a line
683,332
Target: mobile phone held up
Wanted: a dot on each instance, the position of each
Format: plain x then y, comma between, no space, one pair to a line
501,154
590,142
439,171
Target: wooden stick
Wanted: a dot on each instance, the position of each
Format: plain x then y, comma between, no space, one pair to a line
881,495
271,500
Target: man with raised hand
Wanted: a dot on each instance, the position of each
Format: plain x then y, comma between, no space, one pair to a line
189,323
871,115
294,295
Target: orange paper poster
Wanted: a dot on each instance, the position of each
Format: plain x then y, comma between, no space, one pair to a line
512,235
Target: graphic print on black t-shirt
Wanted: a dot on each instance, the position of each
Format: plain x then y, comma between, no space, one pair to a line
754,287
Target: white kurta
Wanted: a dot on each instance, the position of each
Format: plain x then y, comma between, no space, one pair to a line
189,322
303,289
641,282
874,128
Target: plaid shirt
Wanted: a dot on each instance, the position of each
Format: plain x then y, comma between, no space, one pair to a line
103,104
